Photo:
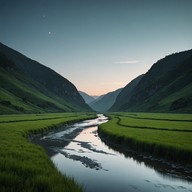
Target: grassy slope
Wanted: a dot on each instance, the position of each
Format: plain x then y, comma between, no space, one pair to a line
125,94
25,166
185,92
166,87
16,92
151,133
26,86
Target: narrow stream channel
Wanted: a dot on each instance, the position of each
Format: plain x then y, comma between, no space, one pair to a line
78,152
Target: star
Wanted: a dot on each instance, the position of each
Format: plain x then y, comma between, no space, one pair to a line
49,32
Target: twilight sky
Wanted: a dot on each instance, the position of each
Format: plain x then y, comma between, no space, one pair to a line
98,45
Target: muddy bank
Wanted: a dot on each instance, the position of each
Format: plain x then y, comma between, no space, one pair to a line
160,165
78,151
54,144
51,144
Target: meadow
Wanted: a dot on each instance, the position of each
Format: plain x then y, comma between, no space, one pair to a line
25,166
166,136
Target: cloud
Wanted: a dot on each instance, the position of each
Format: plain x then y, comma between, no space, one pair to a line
127,62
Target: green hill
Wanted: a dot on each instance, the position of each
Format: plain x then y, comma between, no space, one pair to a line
27,86
125,94
166,87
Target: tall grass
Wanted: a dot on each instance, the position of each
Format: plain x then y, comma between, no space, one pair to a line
25,166
157,124
172,145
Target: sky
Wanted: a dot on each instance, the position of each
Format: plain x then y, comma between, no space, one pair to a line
98,45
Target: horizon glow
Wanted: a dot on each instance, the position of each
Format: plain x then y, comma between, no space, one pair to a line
98,45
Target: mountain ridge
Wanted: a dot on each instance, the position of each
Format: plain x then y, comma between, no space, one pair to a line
125,94
87,98
166,87
104,102
53,92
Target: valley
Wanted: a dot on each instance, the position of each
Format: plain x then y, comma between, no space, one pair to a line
95,96
98,163
49,131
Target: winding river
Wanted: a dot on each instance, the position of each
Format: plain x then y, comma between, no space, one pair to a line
77,151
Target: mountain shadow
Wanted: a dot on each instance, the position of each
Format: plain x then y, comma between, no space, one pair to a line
125,94
27,86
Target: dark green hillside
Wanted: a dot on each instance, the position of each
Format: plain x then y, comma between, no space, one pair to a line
125,94
29,87
166,87
104,102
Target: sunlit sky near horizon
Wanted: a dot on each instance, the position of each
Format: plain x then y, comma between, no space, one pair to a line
98,45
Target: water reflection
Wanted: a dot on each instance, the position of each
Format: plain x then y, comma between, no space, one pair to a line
161,166
101,166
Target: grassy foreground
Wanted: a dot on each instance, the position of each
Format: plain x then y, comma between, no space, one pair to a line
25,166
163,135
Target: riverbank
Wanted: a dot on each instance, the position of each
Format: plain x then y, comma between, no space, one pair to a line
161,165
25,166
99,167
132,142
65,134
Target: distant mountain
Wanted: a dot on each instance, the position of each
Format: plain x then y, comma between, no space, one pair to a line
96,100
166,87
95,96
104,102
125,94
87,98
27,86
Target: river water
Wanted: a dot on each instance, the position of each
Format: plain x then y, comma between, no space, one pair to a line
99,168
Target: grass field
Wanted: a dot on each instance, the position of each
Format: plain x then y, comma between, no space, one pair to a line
25,166
163,135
